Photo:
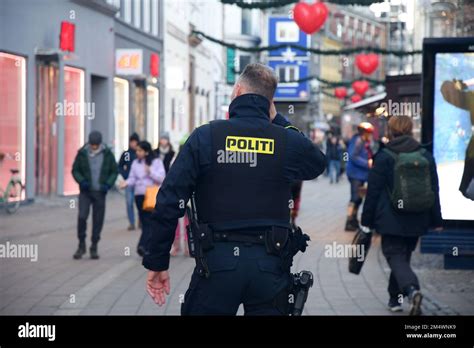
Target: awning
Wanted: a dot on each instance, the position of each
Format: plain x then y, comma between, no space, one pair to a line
366,101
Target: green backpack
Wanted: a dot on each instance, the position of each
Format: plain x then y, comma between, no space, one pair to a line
412,191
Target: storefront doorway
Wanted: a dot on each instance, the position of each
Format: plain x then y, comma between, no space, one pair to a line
46,159
139,109
153,114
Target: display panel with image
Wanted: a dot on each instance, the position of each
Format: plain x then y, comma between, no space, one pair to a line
453,142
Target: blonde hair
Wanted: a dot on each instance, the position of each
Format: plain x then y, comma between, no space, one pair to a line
400,125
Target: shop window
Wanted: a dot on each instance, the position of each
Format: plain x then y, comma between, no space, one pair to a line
121,116
12,116
74,110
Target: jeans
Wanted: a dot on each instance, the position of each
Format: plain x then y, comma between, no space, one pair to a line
129,198
334,170
397,250
355,194
97,200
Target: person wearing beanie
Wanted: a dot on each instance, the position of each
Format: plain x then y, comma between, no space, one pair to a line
125,163
165,151
95,170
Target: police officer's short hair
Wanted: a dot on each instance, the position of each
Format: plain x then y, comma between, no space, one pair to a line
260,79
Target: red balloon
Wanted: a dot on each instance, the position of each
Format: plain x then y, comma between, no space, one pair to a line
367,63
340,92
360,87
356,98
310,18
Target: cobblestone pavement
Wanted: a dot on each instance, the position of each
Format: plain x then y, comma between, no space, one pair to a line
114,285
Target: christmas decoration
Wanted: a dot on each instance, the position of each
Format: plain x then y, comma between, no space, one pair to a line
340,92
367,63
356,98
360,87
310,17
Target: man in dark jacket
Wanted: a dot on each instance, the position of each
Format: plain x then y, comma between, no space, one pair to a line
400,230
125,163
95,170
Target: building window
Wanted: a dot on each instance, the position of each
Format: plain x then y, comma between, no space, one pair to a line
74,112
244,61
154,17
13,115
121,116
152,115
137,13
287,73
287,32
339,29
127,11
146,15
246,22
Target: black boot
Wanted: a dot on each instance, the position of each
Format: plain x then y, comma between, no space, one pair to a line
93,251
81,250
352,224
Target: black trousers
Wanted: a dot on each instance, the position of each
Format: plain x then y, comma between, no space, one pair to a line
96,199
397,250
146,221
241,273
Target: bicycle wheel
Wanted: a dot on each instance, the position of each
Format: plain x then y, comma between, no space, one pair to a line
12,196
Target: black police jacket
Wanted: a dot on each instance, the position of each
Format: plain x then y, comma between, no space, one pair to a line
303,161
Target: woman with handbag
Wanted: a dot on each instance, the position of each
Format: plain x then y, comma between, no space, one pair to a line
146,175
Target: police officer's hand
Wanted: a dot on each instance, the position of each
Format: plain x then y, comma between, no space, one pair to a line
157,284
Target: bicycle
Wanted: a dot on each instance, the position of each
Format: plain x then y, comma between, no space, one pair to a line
10,198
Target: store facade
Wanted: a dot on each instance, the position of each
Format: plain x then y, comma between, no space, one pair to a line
58,82
49,96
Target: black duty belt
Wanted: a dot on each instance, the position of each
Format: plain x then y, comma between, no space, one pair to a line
237,236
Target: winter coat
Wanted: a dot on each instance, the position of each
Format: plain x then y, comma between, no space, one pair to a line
358,163
378,212
82,173
140,179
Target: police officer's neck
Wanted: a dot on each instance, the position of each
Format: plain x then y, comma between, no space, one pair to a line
250,105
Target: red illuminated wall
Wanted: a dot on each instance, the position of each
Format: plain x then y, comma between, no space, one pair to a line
11,110
73,123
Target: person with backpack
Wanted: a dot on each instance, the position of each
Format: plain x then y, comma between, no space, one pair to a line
402,202
357,170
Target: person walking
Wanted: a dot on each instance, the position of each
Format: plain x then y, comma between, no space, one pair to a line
401,216
125,164
244,251
357,170
165,151
334,155
146,171
95,170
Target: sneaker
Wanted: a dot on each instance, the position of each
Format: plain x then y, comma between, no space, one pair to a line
131,228
415,297
394,305
81,250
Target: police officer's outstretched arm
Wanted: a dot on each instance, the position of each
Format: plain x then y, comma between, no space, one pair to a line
171,201
303,160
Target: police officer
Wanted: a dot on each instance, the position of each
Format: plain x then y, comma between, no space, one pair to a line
243,204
